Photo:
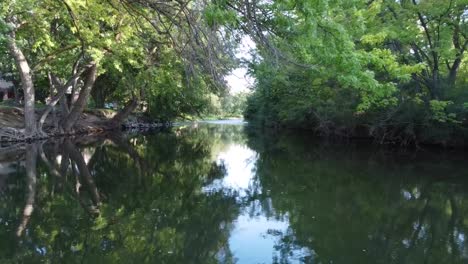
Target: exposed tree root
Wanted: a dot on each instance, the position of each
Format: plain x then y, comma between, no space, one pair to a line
9,134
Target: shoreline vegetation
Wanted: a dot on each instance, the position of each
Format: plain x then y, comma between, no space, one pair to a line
391,71
363,134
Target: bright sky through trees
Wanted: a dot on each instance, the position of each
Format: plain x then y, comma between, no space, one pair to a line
238,80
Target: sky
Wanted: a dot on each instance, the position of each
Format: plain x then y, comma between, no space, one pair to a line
238,80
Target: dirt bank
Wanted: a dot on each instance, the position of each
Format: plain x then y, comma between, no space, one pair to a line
91,121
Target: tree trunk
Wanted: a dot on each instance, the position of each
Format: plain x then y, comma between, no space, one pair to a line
453,72
98,95
61,90
16,96
436,89
460,50
54,113
69,121
103,87
27,85
54,85
64,106
123,114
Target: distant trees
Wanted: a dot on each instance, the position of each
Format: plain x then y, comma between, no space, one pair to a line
234,105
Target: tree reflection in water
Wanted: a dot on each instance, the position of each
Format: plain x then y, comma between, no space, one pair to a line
359,204
204,194
116,199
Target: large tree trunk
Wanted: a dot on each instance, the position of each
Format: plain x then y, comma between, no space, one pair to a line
27,85
98,94
460,50
69,121
16,96
61,88
54,85
436,83
123,114
453,72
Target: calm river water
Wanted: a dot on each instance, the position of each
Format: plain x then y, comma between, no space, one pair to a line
220,192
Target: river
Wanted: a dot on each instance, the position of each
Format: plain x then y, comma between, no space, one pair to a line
221,192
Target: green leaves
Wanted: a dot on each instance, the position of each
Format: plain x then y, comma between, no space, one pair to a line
216,14
366,60
440,114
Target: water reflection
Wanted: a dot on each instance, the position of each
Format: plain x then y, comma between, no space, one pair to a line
251,239
221,193
116,200
362,205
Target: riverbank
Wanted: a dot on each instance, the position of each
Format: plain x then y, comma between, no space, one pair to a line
434,137
92,121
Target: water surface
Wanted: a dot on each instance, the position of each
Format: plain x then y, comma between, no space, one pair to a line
218,192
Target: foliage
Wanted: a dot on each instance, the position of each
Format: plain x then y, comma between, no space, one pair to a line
169,59
336,66
226,106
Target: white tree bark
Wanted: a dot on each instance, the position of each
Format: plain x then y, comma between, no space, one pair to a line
27,85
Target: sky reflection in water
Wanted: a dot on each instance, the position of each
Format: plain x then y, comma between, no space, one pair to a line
251,240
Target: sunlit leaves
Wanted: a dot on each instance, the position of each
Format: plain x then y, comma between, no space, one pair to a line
365,59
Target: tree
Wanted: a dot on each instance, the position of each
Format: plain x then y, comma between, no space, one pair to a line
67,46
383,69
432,33
11,24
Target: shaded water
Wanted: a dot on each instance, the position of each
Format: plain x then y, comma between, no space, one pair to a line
221,193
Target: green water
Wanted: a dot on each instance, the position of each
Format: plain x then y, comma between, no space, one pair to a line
221,193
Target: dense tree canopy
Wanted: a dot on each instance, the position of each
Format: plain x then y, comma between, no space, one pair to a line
388,69
161,53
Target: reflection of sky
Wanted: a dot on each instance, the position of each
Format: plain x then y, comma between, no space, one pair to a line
239,161
250,241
